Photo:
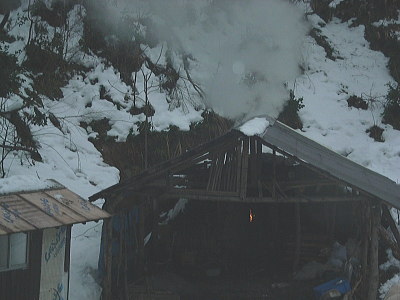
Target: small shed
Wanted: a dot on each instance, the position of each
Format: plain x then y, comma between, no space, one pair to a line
271,188
35,240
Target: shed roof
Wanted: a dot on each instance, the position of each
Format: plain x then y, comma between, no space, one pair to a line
338,166
46,208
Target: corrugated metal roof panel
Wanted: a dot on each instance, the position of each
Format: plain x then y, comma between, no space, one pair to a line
294,143
28,211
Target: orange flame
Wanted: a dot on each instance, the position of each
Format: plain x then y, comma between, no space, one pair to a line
251,216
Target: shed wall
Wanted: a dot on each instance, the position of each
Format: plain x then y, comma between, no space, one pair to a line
54,280
24,284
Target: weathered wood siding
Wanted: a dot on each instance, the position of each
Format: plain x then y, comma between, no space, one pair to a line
54,279
24,284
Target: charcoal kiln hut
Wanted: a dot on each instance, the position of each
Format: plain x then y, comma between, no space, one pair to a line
261,199
35,239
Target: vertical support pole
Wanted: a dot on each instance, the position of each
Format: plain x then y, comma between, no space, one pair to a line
373,283
239,151
253,161
126,254
274,175
107,283
259,168
386,214
297,250
141,238
67,259
245,169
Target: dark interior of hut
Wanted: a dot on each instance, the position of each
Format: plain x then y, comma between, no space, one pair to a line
245,249
236,250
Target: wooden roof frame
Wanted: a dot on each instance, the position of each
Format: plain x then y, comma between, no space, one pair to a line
154,178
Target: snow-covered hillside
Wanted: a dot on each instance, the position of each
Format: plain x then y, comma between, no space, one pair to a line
70,157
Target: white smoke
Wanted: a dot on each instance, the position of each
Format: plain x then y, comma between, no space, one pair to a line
242,52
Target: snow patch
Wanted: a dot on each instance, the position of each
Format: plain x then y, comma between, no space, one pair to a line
256,126
25,183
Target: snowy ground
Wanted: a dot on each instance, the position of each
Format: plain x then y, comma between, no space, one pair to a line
327,84
73,161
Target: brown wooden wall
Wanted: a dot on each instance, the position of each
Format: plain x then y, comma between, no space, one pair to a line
24,284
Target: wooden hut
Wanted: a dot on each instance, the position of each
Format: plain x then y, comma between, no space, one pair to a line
298,181
35,240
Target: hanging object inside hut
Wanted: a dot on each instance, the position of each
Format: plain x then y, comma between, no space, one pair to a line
251,215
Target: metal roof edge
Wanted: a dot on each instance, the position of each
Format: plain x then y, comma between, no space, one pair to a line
303,148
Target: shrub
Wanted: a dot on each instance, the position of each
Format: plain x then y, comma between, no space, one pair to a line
289,115
9,80
376,132
357,102
391,112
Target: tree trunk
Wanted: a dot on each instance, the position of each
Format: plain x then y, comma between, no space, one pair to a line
4,21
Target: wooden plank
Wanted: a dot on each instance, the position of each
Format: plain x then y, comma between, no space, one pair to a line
35,216
228,171
315,168
107,280
297,250
259,167
389,242
12,208
274,175
304,199
226,196
220,166
373,272
392,224
253,161
52,208
79,205
245,167
239,165
203,195
175,163
211,173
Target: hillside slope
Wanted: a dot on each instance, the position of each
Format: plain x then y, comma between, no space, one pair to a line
92,90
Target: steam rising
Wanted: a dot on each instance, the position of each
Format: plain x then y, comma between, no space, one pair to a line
241,53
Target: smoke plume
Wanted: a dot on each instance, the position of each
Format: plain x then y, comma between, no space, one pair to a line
240,52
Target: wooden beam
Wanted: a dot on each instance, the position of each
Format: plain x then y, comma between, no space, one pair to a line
392,224
373,280
235,197
389,242
204,195
107,281
304,199
274,175
226,141
297,251
245,169
239,150
314,168
253,161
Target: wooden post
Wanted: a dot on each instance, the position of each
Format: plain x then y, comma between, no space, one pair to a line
141,236
239,151
253,161
373,283
365,239
274,175
107,281
297,251
386,214
245,169
259,168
